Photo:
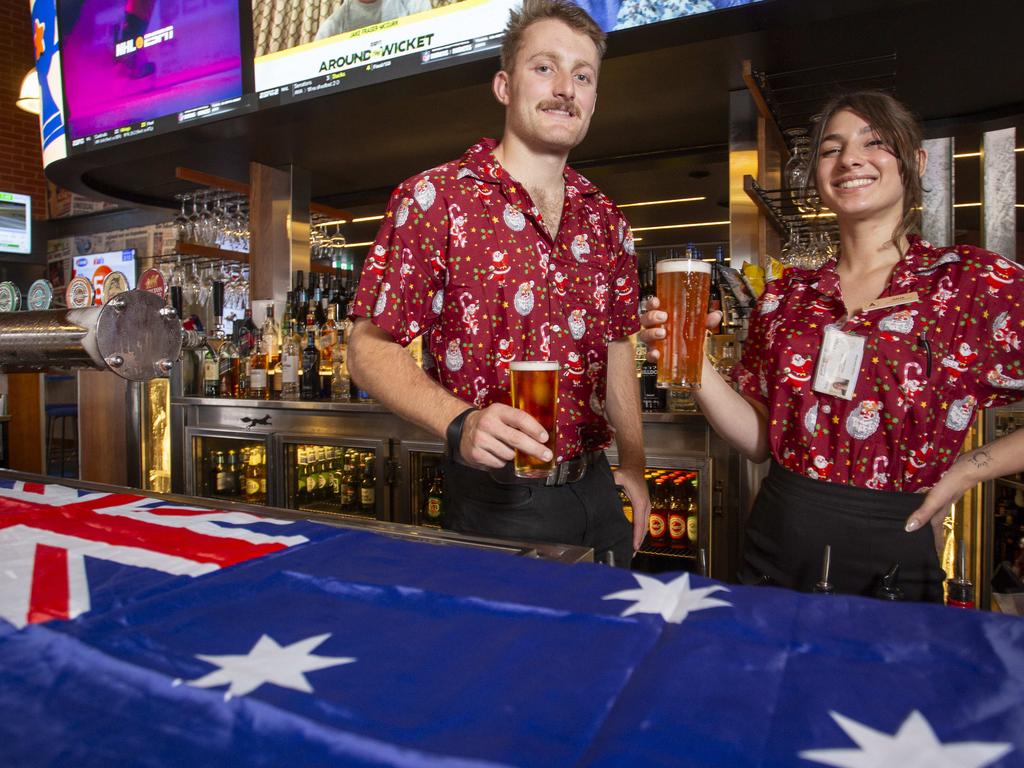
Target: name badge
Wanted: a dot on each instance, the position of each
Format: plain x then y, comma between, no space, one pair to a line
839,363
891,301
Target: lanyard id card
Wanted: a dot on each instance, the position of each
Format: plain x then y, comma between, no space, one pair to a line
839,363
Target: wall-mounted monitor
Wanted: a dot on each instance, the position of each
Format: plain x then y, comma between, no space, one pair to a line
138,67
304,49
15,223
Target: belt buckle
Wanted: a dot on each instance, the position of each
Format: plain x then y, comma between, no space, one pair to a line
558,475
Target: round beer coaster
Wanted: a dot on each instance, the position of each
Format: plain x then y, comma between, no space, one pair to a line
80,293
8,300
113,284
151,280
40,295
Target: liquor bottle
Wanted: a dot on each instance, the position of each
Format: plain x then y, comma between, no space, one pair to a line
258,389
246,344
329,347
272,338
433,510
319,311
309,383
299,308
228,366
211,372
368,487
676,515
692,515
289,366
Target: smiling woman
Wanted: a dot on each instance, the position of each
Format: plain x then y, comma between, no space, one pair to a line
860,379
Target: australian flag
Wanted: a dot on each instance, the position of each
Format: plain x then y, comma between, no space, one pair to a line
270,643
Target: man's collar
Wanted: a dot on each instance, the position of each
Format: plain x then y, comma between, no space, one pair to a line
479,162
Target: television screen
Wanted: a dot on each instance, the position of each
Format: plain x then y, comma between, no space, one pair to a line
15,223
307,49
96,266
134,67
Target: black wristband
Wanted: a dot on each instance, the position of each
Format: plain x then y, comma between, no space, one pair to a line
453,435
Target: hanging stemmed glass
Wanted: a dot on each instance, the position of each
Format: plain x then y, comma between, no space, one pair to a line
181,222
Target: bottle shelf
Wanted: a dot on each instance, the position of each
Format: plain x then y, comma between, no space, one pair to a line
1010,483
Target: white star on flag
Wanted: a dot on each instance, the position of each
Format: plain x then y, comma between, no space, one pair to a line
267,662
674,600
914,746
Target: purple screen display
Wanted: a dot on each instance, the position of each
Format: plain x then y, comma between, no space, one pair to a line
125,61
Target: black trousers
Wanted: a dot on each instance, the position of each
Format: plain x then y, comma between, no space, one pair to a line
587,512
794,517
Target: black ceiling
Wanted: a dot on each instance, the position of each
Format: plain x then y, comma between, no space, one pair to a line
661,128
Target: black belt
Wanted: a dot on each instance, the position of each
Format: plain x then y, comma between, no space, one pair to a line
570,471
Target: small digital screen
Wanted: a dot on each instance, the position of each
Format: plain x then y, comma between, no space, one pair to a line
15,223
96,266
134,67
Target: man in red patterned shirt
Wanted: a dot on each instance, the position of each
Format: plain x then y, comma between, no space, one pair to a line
508,254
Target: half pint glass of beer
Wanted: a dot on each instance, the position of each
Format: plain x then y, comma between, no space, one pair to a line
683,288
535,390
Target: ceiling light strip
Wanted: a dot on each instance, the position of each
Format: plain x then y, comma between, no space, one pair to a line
664,202
683,226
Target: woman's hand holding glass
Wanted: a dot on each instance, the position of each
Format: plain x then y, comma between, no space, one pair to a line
653,324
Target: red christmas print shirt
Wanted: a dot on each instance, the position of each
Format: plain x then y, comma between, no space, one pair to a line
463,256
927,366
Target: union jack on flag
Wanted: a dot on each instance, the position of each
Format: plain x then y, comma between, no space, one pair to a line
49,533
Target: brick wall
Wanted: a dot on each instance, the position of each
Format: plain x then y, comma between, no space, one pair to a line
21,157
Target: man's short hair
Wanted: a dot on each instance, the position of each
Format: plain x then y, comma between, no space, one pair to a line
533,11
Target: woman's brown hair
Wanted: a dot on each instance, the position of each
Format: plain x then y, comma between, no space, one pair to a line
897,126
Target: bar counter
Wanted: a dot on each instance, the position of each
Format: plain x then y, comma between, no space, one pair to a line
147,630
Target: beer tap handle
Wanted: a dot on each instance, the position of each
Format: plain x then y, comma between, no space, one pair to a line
178,301
218,299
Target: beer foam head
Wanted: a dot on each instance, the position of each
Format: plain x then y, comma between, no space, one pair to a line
683,265
534,365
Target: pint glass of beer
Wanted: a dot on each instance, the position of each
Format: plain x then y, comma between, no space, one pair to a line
535,390
683,288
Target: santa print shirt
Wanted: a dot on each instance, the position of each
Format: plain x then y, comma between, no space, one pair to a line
904,427
462,256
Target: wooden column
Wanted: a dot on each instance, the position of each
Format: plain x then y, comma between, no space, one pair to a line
279,237
102,427
27,427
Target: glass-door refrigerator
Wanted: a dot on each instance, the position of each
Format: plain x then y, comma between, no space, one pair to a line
349,477
229,465
419,497
679,528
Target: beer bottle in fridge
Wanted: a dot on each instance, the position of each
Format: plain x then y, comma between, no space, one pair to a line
368,487
433,509
692,515
252,478
676,515
658,522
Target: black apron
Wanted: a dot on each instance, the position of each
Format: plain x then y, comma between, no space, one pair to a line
794,517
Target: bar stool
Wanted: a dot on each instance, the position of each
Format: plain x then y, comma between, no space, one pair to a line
62,416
